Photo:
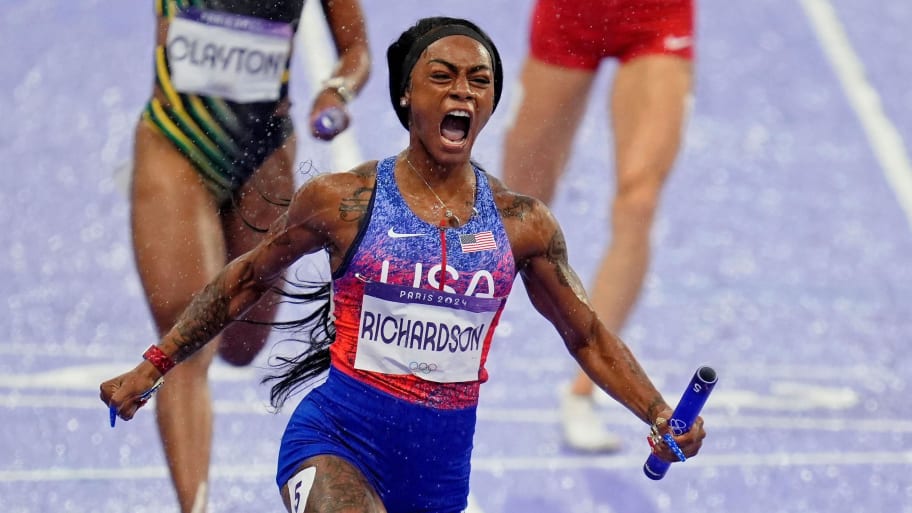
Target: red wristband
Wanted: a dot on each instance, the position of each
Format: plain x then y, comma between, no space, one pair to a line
159,359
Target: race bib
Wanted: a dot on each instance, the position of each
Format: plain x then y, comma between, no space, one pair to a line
435,335
299,487
239,58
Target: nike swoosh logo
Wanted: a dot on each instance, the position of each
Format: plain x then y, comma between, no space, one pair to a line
393,235
677,43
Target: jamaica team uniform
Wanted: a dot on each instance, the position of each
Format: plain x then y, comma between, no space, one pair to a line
224,72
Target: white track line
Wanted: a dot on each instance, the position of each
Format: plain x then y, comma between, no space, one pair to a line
771,459
540,416
494,465
882,135
95,362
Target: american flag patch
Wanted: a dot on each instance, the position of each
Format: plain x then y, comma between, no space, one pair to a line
482,241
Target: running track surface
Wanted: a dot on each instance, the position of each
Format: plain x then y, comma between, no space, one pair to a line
782,259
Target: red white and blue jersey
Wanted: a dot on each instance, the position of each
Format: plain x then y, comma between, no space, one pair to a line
408,324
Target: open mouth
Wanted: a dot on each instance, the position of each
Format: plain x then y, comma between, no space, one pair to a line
455,126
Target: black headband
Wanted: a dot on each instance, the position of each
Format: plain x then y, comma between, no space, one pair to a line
417,48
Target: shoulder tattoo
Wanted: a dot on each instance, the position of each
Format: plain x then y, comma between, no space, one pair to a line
353,207
364,171
520,206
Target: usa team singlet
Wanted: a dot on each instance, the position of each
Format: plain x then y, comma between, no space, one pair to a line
412,337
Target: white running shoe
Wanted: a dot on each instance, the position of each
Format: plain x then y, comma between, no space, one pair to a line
581,426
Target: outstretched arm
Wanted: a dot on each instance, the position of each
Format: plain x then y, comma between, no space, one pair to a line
556,292
300,230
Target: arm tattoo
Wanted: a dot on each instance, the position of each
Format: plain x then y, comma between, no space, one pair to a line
557,255
521,205
204,318
656,406
353,208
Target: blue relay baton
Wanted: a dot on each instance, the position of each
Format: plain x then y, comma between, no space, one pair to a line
685,413
112,410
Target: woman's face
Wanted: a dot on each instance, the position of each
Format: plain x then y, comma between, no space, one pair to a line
451,96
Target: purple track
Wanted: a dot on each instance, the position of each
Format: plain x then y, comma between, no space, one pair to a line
782,259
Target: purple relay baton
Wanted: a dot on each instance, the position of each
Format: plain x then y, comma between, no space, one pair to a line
685,413
330,123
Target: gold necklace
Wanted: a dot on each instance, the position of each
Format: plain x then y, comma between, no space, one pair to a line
448,213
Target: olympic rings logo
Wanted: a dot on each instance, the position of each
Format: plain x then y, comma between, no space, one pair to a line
423,367
678,426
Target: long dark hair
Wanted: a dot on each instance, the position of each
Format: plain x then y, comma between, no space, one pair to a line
315,330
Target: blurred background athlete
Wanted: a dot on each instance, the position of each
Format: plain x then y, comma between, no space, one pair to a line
213,159
569,39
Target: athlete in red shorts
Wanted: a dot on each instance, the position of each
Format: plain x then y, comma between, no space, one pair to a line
569,39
